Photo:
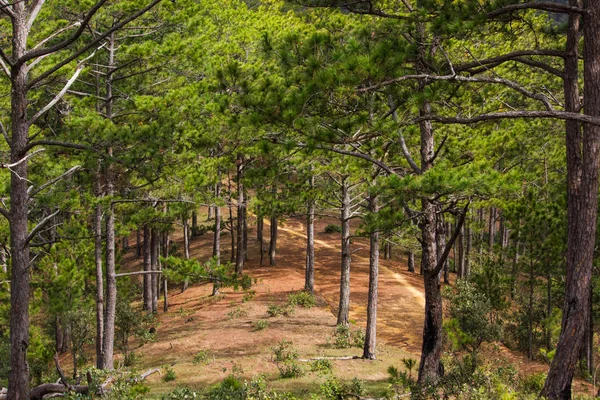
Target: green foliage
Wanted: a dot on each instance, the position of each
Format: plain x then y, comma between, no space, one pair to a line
345,336
285,356
181,393
248,295
333,389
323,366
237,313
169,374
261,324
275,310
470,324
200,357
302,299
332,228
131,323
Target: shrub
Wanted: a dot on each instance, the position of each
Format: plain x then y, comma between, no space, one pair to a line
533,384
200,357
333,389
321,366
333,228
344,337
169,375
302,299
237,313
249,295
285,357
286,310
182,393
261,324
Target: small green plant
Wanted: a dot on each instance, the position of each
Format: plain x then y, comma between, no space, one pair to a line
286,310
344,337
322,365
261,324
285,356
409,364
237,313
333,389
169,375
302,299
249,295
181,393
533,384
333,228
200,357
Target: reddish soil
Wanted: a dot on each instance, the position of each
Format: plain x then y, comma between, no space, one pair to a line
224,326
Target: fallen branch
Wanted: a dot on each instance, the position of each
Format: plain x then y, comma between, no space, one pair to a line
329,358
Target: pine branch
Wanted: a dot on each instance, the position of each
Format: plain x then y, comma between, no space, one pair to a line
541,5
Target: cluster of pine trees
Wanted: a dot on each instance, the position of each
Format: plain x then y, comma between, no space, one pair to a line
441,125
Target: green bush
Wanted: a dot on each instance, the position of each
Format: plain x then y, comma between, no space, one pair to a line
261,324
321,366
249,295
533,384
302,299
333,228
285,357
286,310
344,337
182,393
333,389
200,357
169,375
237,313
290,369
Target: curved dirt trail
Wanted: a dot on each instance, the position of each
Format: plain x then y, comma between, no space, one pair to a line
401,297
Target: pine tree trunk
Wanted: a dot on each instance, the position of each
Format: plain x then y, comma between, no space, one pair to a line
147,267
3,259
166,296
138,244
371,332
217,234
583,159
154,243
467,262
440,236
530,312
344,304
411,261
309,276
111,286
194,221
240,256
461,256
491,229
99,286
186,237
273,242
245,230
231,224
18,375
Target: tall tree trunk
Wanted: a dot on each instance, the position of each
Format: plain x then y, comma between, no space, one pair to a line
240,257
491,229
440,235
411,261
530,311
99,286
371,332
273,242
186,237
344,304
18,375
147,268
583,156
154,244
209,213
138,244
231,224
309,276
467,259
195,221
217,233
3,259
111,286
245,228
460,260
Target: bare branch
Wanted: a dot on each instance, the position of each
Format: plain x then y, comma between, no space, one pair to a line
35,10
4,213
92,44
5,134
509,57
53,181
4,67
540,5
22,160
403,146
6,8
450,244
564,115
64,90
41,225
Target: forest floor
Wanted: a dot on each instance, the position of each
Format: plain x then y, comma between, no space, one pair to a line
224,327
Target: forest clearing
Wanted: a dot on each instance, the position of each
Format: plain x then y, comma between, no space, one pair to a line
299,199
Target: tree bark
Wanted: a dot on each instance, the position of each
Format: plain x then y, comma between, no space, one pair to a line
309,277
273,242
370,346
111,286
138,244
440,236
194,222
240,256
154,243
186,237
582,197
147,267
99,286
411,261
217,233
344,304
